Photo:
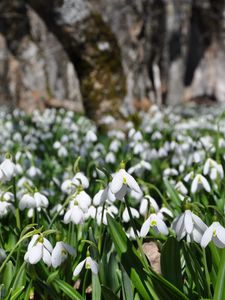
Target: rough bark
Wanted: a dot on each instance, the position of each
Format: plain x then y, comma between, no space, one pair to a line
34,67
92,48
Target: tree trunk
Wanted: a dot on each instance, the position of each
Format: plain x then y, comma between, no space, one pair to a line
93,49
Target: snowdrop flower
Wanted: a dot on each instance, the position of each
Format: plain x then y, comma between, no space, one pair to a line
214,233
62,152
68,187
190,225
33,172
181,188
74,214
60,253
156,223
38,248
7,169
214,169
2,255
189,177
37,200
147,202
80,180
89,263
200,182
90,137
27,201
126,216
110,158
121,181
41,200
140,167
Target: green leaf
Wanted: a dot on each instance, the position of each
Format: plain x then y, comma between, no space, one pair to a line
8,274
127,287
219,293
15,294
149,284
108,293
20,279
130,260
172,192
68,290
96,288
171,263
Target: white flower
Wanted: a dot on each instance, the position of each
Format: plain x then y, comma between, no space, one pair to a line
38,248
27,201
7,169
83,200
214,169
91,136
121,181
60,253
89,263
190,225
156,223
5,207
37,200
126,216
214,233
110,158
68,187
200,182
80,180
181,188
33,172
74,214
41,200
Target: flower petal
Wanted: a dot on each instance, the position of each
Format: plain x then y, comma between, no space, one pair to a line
35,253
116,183
79,267
207,237
188,222
145,228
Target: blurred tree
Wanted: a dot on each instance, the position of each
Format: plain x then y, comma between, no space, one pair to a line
93,49
128,53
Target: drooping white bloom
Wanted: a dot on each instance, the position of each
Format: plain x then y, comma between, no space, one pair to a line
126,216
27,201
156,223
91,136
120,183
7,169
37,200
89,263
214,169
181,188
190,225
38,248
200,182
60,253
33,172
68,187
41,200
110,158
215,233
80,180
74,214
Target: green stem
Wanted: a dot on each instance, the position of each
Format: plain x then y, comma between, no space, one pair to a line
18,223
207,273
136,235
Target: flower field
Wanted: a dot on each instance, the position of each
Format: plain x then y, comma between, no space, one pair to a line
79,207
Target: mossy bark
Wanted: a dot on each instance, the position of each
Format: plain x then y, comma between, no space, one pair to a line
93,49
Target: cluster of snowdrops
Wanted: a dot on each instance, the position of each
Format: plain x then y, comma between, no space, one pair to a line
77,205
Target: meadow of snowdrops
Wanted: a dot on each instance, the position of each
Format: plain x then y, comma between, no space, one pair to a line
77,206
